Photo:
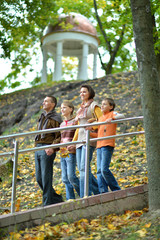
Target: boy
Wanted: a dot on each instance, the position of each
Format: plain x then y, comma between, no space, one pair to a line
105,148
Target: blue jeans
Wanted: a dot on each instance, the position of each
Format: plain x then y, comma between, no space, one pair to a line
69,178
44,176
104,175
93,185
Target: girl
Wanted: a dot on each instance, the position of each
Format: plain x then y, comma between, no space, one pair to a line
68,157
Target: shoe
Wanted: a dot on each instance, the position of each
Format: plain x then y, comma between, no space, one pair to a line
57,198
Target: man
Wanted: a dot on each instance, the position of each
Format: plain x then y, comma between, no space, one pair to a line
44,158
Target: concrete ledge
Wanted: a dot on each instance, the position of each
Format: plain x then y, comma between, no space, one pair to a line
91,207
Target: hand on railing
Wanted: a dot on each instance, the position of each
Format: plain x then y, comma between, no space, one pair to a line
91,120
89,128
49,151
71,148
109,120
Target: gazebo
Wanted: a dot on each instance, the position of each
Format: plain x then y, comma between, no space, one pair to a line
73,35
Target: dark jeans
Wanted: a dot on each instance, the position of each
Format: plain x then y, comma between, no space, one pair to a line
44,176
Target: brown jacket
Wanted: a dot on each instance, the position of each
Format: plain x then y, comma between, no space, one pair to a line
48,138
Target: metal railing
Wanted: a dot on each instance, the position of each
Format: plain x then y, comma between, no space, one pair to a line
16,151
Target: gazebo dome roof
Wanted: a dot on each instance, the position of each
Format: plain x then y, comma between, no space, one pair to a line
71,36
72,23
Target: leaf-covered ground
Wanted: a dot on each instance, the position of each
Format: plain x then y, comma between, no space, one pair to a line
128,165
132,225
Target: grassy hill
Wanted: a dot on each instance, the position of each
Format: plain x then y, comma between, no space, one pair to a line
19,107
19,113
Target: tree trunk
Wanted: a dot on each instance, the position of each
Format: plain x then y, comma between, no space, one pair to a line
150,93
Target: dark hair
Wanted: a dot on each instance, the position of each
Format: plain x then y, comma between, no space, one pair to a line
69,104
111,102
53,99
90,90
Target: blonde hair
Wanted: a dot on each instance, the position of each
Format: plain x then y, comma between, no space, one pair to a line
69,104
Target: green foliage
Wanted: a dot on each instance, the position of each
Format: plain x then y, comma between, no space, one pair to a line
22,24
36,81
113,15
6,170
3,84
155,5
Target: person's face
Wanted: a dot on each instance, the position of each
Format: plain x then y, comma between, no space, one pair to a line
65,110
48,105
84,94
105,106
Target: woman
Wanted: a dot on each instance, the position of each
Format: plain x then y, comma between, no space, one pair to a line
88,112
68,158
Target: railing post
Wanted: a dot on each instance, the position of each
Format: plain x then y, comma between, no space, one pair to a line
14,178
86,180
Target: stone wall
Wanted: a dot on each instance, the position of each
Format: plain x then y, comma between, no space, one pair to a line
100,205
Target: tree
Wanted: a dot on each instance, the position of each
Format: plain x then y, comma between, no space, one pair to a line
22,24
150,92
116,34
112,20
109,18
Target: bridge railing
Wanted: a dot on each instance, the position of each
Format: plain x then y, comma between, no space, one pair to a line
18,151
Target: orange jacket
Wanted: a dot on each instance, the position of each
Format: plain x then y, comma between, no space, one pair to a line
107,130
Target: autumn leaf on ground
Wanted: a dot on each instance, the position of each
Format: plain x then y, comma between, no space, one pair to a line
142,233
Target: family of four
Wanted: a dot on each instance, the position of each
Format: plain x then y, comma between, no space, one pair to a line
74,155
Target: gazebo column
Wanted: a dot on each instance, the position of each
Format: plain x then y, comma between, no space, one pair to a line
44,67
84,67
79,67
95,65
53,76
58,62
